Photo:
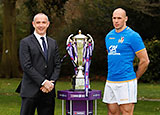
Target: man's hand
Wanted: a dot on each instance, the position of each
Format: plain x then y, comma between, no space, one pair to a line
44,90
48,86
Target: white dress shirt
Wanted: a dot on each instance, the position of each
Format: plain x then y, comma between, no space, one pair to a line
40,40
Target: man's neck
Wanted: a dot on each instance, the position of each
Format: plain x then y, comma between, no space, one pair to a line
121,29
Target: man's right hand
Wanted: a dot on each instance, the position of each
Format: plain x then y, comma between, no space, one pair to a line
44,90
49,85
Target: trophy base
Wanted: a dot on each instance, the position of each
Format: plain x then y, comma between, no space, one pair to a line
78,84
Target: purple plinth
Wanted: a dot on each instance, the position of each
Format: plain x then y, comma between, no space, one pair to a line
79,101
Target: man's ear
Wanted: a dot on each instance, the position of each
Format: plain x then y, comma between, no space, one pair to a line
126,19
48,24
33,24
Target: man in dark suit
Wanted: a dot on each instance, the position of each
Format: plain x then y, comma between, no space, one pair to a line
40,63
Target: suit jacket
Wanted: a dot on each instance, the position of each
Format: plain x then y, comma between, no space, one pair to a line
35,68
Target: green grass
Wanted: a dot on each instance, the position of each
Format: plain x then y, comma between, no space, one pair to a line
10,101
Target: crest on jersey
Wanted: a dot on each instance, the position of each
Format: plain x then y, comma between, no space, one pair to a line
121,40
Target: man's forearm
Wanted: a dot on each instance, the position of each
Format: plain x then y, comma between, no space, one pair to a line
142,67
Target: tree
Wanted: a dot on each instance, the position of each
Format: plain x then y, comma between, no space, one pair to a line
9,61
52,8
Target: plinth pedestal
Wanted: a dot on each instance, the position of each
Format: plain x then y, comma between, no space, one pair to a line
77,103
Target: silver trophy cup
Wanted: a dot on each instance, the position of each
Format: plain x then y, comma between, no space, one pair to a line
76,47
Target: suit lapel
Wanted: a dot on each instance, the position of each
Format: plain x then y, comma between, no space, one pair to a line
34,39
49,48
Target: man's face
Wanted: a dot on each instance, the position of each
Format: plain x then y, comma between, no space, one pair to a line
119,19
41,24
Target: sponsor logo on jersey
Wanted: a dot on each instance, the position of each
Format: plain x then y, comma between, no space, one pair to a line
112,50
111,38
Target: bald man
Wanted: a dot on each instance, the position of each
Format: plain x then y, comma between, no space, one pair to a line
40,62
123,44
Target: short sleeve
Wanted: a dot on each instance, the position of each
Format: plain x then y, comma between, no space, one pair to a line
137,43
106,41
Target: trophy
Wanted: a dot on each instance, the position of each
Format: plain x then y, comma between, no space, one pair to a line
79,100
80,49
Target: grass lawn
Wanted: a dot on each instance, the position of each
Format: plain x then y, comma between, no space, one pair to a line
10,101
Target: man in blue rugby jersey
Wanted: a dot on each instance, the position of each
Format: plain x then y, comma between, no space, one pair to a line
123,44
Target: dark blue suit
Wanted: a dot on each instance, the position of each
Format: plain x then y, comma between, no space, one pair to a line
35,70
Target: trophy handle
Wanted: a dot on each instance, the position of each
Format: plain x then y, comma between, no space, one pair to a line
91,40
68,39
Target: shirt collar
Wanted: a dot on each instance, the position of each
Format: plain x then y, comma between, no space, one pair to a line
39,36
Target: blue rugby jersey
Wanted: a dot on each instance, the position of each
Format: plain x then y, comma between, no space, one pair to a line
122,48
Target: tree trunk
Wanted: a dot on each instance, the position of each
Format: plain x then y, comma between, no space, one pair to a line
9,63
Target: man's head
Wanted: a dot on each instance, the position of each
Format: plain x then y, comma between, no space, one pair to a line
119,19
40,23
